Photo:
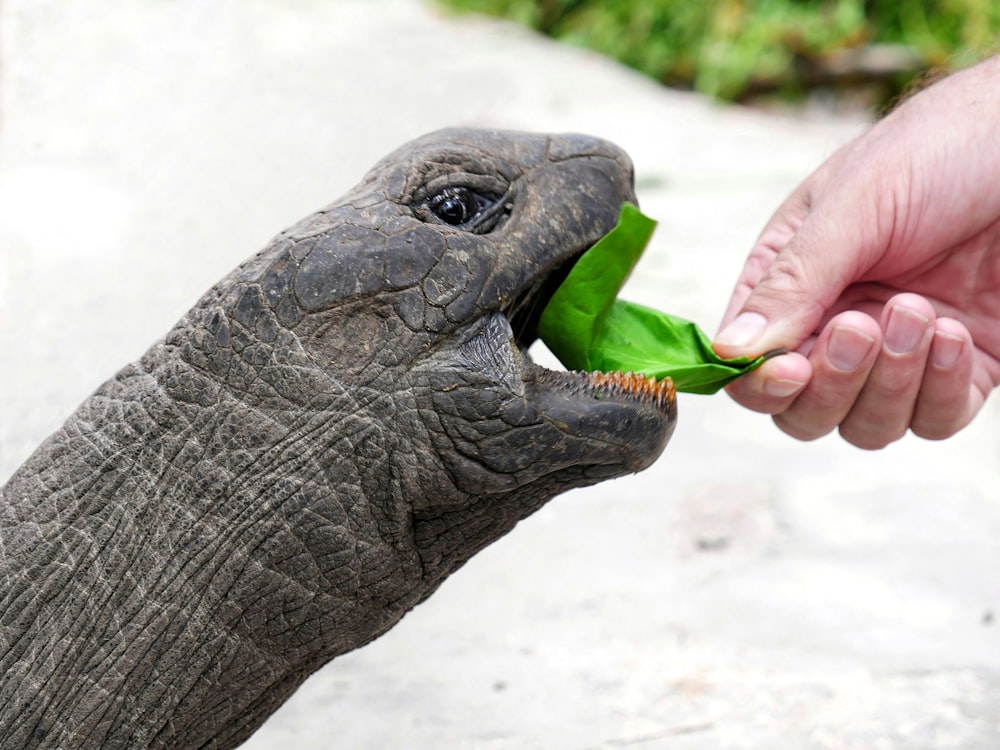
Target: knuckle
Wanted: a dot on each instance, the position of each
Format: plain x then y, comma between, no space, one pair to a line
893,387
870,437
831,400
939,425
802,429
791,281
752,398
933,431
875,425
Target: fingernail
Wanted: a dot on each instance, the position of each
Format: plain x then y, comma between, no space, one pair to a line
782,388
945,350
745,329
848,348
905,330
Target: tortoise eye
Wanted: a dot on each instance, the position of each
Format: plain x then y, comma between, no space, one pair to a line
457,205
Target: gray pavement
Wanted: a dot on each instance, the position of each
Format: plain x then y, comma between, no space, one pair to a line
748,591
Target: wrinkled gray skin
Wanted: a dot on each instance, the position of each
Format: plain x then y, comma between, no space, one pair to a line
334,428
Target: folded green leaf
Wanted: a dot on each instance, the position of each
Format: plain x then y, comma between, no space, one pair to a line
572,321
587,328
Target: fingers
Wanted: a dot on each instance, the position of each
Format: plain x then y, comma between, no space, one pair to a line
945,405
842,358
872,380
773,386
884,408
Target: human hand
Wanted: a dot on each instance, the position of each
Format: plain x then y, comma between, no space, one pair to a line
881,273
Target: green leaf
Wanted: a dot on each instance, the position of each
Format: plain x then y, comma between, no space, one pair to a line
574,316
587,328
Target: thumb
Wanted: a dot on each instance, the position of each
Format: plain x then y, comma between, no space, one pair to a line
783,294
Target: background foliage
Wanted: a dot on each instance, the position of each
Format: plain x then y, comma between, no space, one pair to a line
738,49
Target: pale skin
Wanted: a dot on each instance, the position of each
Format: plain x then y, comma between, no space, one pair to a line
881,274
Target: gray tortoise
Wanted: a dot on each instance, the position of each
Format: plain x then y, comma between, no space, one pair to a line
332,430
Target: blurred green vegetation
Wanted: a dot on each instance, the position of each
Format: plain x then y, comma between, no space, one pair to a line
739,49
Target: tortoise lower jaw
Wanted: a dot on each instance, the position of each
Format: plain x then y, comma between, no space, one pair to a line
628,388
626,419
649,390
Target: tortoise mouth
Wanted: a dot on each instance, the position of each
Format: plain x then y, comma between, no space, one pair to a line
523,315
628,387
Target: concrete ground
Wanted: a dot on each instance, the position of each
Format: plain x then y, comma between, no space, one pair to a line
748,591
